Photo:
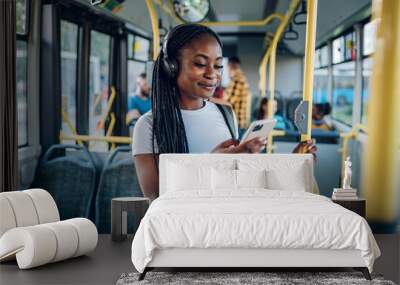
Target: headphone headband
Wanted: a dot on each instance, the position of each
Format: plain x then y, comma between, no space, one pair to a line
170,64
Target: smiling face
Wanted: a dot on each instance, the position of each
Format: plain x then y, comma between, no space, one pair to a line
200,68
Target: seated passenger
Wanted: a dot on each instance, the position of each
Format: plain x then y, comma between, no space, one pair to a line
186,73
319,121
140,102
262,113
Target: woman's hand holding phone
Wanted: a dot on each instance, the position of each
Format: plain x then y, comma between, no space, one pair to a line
254,145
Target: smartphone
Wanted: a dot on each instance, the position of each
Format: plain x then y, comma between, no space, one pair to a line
260,128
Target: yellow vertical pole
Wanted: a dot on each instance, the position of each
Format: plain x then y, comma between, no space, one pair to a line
271,86
272,63
154,27
380,173
264,62
309,61
263,72
271,81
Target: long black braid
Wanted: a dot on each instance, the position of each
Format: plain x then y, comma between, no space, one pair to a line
168,128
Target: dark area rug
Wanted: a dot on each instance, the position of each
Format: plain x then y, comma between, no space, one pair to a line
228,278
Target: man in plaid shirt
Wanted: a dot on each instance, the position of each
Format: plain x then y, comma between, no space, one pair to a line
237,93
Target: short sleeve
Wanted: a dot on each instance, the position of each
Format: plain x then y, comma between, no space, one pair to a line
142,136
131,103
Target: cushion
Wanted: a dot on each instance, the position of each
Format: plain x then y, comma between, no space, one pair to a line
26,208
223,179
173,168
237,179
45,205
7,218
292,173
182,177
251,178
292,179
23,208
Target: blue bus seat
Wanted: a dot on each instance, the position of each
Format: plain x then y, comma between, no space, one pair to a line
70,178
118,179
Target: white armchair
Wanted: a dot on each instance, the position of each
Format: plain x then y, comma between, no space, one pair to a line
31,230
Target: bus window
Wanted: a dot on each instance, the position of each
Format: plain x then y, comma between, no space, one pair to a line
21,17
343,91
350,50
21,76
69,57
141,49
369,43
320,91
136,60
338,50
98,84
21,70
138,54
134,69
343,58
369,36
320,85
366,87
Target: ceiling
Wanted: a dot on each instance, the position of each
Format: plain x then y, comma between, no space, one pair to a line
330,15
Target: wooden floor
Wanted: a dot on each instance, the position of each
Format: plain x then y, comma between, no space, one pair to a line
102,266
110,259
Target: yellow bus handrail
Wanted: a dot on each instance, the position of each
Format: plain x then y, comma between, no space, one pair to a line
110,103
278,133
256,23
110,128
86,138
351,135
70,126
263,65
155,28
309,62
272,63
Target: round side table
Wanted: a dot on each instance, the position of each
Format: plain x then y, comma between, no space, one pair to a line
119,212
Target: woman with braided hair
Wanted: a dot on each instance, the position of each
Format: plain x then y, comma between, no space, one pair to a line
182,119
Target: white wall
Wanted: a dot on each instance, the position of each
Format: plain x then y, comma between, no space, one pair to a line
289,74
249,50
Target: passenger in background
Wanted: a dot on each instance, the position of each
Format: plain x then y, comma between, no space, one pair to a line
319,120
238,93
262,113
140,102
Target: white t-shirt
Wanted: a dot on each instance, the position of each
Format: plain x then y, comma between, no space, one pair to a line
205,129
